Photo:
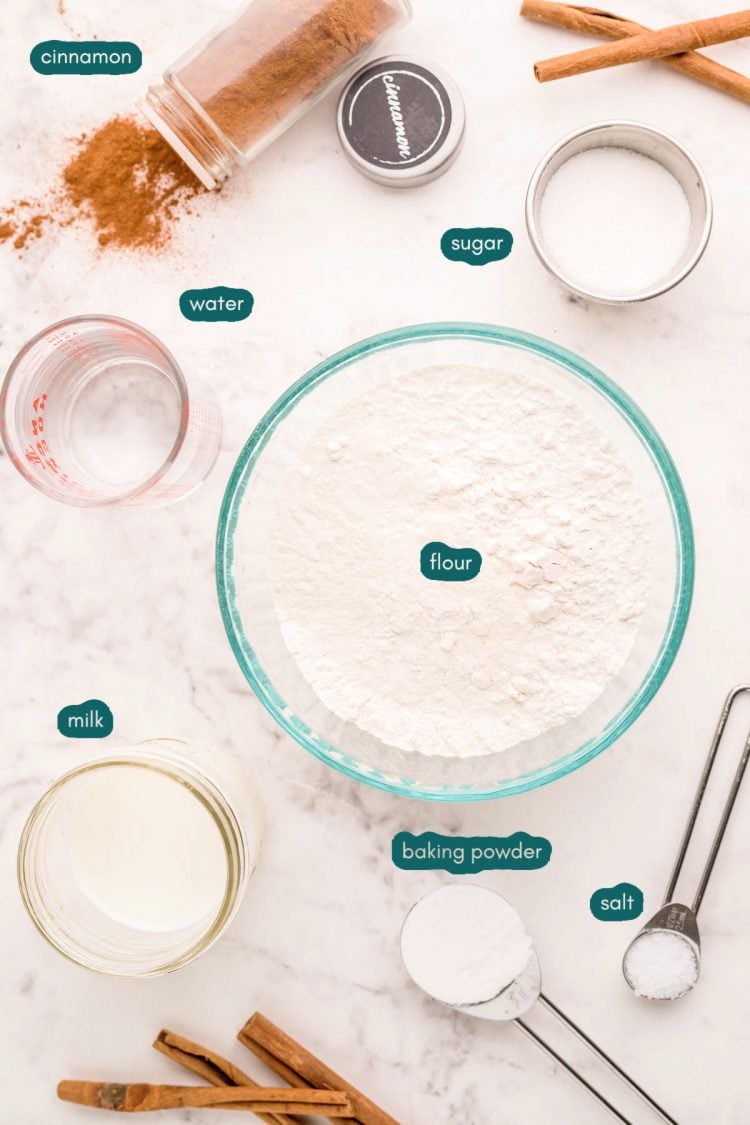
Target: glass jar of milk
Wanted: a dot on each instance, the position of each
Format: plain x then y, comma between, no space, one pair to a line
136,863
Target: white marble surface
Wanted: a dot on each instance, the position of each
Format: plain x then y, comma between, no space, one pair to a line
121,605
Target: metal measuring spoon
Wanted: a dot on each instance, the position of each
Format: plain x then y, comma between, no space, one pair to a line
663,960
517,998
674,927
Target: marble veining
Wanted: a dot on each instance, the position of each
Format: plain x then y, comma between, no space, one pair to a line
122,606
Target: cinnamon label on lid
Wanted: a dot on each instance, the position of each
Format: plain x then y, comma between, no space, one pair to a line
401,122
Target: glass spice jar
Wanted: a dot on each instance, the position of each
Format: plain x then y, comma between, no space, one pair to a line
258,72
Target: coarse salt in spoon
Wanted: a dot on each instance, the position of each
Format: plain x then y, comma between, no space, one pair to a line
663,960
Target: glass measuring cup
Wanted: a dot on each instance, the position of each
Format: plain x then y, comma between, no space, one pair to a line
94,411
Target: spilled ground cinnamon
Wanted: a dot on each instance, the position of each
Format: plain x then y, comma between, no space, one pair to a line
250,77
23,223
128,180
123,178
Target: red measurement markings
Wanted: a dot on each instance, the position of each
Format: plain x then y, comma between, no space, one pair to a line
69,342
38,452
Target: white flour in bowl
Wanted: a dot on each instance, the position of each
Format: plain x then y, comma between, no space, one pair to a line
467,456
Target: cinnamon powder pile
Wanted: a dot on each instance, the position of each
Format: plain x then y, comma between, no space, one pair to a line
123,178
22,222
130,182
275,57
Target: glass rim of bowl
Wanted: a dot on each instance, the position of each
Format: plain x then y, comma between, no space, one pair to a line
597,381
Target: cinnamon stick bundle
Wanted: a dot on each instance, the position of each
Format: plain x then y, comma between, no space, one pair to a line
297,1066
212,1068
607,25
647,45
140,1097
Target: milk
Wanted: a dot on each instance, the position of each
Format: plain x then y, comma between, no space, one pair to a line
145,850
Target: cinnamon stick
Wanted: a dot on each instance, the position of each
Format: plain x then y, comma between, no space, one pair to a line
211,1067
140,1097
293,1077
296,1065
647,45
607,25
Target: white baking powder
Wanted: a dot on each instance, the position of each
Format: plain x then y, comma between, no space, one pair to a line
661,965
614,221
475,457
464,944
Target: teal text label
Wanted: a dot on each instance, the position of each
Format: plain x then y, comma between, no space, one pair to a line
57,56
218,303
441,563
91,719
621,903
467,855
476,245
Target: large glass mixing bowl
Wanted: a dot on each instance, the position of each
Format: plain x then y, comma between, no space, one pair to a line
246,594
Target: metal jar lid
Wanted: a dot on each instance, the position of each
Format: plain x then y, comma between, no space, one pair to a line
401,121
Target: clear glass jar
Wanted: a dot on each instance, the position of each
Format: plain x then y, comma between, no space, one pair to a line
75,922
258,72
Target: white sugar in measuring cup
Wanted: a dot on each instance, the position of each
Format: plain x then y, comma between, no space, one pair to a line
94,411
444,944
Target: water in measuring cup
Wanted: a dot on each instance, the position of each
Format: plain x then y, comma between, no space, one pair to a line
124,422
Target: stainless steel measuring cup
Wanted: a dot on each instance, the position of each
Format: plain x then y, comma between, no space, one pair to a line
675,925
95,411
654,143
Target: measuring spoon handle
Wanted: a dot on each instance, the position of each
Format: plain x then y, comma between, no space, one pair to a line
607,1060
544,1046
698,801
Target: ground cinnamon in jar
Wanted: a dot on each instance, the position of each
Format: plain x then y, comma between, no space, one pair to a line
250,80
276,56
239,89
